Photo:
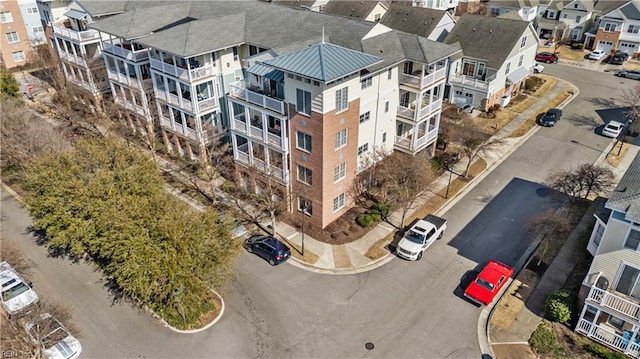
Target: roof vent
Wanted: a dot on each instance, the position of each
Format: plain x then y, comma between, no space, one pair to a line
474,29
405,19
352,9
491,31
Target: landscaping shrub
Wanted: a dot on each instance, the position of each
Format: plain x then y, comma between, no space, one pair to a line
380,208
544,339
577,46
560,306
603,352
364,220
533,82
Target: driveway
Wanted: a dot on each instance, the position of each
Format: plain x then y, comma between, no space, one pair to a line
405,309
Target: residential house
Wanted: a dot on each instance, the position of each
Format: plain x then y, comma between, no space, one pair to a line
567,20
469,7
364,10
303,103
448,5
15,44
528,10
312,5
432,24
617,28
611,289
498,56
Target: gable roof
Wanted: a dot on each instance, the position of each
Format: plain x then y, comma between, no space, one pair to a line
631,10
486,37
626,196
518,4
323,62
354,9
608,6
414,20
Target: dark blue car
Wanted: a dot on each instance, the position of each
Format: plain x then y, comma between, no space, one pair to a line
269,248
550,117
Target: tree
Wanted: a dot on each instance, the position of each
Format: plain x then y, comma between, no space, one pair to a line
473,142
631,98
369,186
581,182
560,36
107,201
9,86
551,225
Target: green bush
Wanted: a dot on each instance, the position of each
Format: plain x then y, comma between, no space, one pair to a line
380,208
533,82
603,352
364,220
560,306
544,339
577,46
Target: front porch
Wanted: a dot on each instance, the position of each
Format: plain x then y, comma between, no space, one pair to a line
412,138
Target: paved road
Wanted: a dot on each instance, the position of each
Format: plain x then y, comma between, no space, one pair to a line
405,309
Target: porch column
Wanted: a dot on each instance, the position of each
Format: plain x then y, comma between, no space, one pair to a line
595,322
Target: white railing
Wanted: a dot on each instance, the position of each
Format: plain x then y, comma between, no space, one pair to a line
79,36
207,104
73,58
239,125
130,105
165,122
472,82
276,141
608,337
185,74
239,90
615,302
423,81
406,112
242,156
430,108
256,132
128,54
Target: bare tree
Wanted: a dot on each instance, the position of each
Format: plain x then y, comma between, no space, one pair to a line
552,226
369,186
565,181
473,142
631,98
581,182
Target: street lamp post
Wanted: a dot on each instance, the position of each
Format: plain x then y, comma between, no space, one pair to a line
453,159
304,209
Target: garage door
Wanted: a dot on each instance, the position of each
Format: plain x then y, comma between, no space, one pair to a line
628,48
605,46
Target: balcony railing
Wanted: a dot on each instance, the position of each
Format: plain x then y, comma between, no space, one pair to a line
615,302
129,81
410,113
239,90
608,337
78,60
173,99
178,129
133,55
472,82
185,74
423,81
277,172
130,106
407,144
79,36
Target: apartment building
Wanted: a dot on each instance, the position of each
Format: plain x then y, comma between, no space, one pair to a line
303,96
15,44
611,289
432,24
528,10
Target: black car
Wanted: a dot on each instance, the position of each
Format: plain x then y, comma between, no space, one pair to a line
268,248
619,58
550,117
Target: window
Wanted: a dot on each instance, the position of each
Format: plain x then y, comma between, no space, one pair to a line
376,17
597,236
235,54
633,29
18,56
384,137
523,41
551,14
12,37
575,6
304,206
340,172
38,30
342,99
520,60
304,175
363,149
506,71
616,322
364,83
609,27
389,74
578,18
633,240
564,16
386,107
338,202
32,10
303,102
365,116
304,142
341,139
6,17
628,282
495,11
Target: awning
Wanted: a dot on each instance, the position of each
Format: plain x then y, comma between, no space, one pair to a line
75,14
266,71
519,74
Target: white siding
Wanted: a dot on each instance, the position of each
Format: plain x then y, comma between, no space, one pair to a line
292,84
329,95
611,252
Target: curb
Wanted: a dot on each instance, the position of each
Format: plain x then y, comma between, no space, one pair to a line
12,192
342,271
193,331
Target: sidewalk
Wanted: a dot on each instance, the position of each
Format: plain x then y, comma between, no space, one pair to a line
350,257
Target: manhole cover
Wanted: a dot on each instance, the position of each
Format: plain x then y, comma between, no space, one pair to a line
369,346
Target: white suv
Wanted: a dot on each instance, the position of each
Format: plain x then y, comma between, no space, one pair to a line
17,296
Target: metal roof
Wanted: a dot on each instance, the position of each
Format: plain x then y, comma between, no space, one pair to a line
266,71
323,62
517,75
626,197
75,14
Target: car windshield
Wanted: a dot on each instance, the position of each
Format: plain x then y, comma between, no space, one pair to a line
484,284
613,126
415,237
14,291
48,331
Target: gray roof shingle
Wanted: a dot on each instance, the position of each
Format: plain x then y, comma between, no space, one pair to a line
414,20
486,37
631,11
626,196
354,9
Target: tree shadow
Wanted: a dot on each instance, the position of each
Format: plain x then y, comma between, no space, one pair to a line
590,122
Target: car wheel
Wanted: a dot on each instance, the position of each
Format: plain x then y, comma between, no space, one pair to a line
548,61
249,249
272,262
440,235
419,256
535,71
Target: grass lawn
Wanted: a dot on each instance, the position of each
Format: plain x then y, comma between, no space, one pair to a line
549,83
614,158
565,52
493,125
531,121
522,103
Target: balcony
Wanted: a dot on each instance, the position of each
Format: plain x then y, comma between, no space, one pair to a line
174,99
253,95
273,137
129,81
412,114
417,81
609,337
614,301
180,130
241,156
129,54
78,60
140,110
190,75
469,81
408,145
78,36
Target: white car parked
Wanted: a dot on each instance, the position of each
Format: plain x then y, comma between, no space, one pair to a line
537,68
17,295
55,339
612,129
597,55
